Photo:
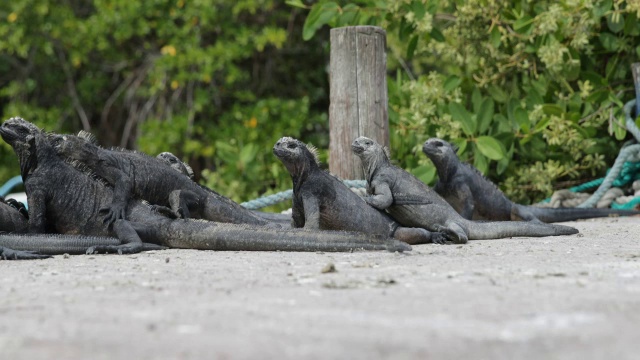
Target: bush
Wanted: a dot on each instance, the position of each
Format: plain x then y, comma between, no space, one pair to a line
530,91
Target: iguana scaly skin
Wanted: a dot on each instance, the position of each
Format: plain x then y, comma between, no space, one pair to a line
175,163
68,201
137,175
413,203
321,201
477,198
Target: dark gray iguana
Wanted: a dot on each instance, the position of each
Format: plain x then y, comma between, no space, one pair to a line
67,200
475,197
175,163
412,203
137,175
321,201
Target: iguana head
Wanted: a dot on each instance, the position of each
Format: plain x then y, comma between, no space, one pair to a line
295,155
74,147
176,164
19,133
15,130
367,149
438,149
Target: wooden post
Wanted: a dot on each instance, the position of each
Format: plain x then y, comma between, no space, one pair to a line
358,95
635,70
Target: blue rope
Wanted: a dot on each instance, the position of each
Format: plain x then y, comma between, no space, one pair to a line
288,194
13,182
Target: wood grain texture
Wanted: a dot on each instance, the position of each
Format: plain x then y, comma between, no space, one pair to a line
635,70
358,95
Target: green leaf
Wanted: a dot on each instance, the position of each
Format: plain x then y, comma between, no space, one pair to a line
461,144
461,115
412,47
523,25
319,15
615,26
451,83
496,37
490,147
418,9
296,3
426,173
504,163
480,162
485,115
620,132
609,41
436,35
349,15
476,99
522,118
497,94
552,109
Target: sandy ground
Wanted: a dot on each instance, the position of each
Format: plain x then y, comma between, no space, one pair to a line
572,297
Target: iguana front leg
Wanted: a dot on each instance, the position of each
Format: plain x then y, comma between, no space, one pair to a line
381,197
464,193
311,213
37,209
122,188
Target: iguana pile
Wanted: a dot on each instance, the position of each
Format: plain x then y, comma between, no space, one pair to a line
65,200
475,197
412,203
321,201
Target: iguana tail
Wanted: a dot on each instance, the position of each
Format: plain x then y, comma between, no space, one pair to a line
55,244
550,215
504,229
205,235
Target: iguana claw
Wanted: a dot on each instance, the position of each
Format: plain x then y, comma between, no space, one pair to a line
10,254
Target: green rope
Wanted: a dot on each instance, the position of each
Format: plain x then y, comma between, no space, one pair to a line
288,194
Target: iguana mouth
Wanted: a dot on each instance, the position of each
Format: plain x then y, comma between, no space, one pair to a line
356,148
16,129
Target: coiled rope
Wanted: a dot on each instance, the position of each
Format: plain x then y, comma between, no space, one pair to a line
628,155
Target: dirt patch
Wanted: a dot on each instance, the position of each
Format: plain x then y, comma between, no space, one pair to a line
568,297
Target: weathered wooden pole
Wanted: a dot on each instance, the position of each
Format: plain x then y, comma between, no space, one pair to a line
635,70
358,95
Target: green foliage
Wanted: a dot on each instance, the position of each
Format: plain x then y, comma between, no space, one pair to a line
530,91
216,82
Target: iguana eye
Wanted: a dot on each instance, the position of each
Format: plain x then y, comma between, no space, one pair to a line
291,146
438,143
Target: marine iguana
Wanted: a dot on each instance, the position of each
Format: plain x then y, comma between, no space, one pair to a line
475,197
175,163
412,203
321,201
135,174
67,200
